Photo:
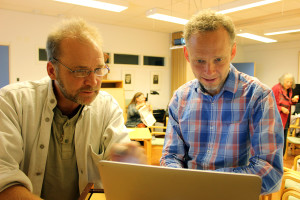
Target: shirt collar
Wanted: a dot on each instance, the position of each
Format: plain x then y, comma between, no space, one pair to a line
231,83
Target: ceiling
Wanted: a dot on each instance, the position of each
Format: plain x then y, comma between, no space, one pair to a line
255,20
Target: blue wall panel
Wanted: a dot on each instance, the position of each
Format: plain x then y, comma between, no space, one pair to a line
247,68
4,67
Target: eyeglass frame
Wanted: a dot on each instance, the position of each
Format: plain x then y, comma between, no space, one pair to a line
88,71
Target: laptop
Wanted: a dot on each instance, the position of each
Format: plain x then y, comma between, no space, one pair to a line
125,181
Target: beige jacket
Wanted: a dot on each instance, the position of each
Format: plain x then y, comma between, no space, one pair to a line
26,114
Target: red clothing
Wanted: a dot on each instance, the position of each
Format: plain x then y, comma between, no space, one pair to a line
283,99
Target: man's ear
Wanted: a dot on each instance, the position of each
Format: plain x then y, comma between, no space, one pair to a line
233,51
186,54
51,70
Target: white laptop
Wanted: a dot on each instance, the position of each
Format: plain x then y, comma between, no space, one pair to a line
124,181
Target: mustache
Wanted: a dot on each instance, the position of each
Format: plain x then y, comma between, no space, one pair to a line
89,89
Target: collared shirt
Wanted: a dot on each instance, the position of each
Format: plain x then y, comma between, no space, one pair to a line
238,130
61,173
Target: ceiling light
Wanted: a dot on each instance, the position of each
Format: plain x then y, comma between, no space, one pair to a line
98,4
159,14
256,37
241,5
284,30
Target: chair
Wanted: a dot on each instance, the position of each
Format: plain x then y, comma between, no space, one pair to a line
265,197
158,133
291,139
291,194
290,186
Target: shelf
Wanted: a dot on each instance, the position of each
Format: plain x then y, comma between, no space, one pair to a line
112,84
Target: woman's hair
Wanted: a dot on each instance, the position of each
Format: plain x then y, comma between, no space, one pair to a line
133,100
206,21
287,75
75,28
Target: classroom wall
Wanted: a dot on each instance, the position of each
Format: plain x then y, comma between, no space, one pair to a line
272,60
25,33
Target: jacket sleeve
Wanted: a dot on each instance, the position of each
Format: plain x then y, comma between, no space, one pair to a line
11,144
114,129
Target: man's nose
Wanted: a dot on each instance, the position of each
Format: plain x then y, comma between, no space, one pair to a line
210,68
92,79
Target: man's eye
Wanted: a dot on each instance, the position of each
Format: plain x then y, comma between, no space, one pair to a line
218,59
200,61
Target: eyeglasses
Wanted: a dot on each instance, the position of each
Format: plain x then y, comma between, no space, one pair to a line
85,72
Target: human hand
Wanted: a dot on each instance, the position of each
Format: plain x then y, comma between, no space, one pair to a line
285,110
149,107
131,152
138,106
295,99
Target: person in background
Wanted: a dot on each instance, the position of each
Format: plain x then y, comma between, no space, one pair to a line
223,120
283,95
133,115
53,132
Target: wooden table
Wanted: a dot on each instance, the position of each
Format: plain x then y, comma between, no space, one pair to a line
142,134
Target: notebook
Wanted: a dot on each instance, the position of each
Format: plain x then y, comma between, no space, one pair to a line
124,181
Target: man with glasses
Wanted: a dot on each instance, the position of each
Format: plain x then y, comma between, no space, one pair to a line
53,132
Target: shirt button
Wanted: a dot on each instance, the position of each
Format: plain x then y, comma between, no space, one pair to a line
38,173
66,141
81,171
208,151
42,146
52,101
47,119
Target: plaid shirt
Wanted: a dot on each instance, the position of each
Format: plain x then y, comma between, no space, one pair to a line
238,130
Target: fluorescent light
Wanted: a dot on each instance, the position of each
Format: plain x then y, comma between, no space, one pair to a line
256,37
283,30
159,15
97,4
241,5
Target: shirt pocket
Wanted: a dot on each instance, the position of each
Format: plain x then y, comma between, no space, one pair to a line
95,157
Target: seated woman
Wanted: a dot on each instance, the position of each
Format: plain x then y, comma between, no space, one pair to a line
133,115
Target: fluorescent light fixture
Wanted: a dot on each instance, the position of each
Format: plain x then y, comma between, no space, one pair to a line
283,30
241,5
97,4
256,37
159,15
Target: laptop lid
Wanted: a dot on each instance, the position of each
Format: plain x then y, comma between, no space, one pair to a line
124,181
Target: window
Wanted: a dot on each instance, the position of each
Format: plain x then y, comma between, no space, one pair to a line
126,59
42,55
155,61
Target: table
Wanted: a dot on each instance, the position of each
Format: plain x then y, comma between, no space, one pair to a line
96,196
142,134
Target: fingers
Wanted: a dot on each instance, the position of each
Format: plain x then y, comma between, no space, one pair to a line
131,152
